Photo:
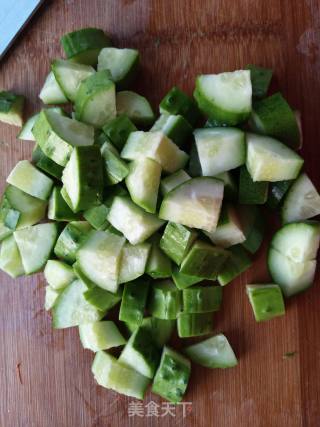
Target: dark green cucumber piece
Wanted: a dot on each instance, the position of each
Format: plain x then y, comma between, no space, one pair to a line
183,281
230,186
45,163
11,108
260,80
160,329
176,127
165,300
194,324
58,209
253,223
116,169
194,168
250,192
70,240
102,299
134,300
266,301
277,192
238,262
172,377
84,45
97,216
158,265
202,299
179,103
176,241
118,130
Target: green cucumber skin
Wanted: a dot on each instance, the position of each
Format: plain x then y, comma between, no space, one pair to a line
45,163
260,80
58,209
158,265
250,192
102,299
72,237
183,281
254,226
118,130
176,102
194,324
194,167
238,262
134,300
277,192
231,190
176,241
202,299
11,108
116,169
165,300
266,301
97,216
179,131
160,329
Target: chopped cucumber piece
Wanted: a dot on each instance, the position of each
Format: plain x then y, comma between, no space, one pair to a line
273,116
250,192
58,274
238,262
220,149
194,324
58,209
70,240
302,201
4,231
172,377
225,97
51,296
69,76
136,107
10,259
97,216
260,80
270,160
95,102
101,367
158,265
253,225
183,281
140,353
51,92
179,103
99,258
202,299
165,300
71,308
133,261
45,164
101,335
83,177
84,45
35,245
136,224
143,183
160,329
28,179
214,352
155,146
80,275
118,130
115,168
194,168
122,64
277,192
57,135
172,181
195,203
134,300
204,260
176,241
229,231
230,186
175,127
101,299
11,108
266,301
26,131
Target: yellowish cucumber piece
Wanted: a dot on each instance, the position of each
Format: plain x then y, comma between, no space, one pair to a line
51,296
100,335
136,107
195,203
51,92
266,301
156,146
10,259
11,108
270,160
133,261
30,180
172,181
58,274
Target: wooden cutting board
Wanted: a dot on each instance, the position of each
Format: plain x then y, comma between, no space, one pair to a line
45,378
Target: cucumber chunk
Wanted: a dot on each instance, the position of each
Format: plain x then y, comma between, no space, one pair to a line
220,149
10,259
194,324
136,107
134,300
229,231
51,296
136,224
270,160
156,146
250,192
238,262
183,281
101,299
172,377
179,103
195,203
115,168
202,299
69,76
11,108
72,237
26,131
140,353
83,178
176,127
214,352
143,183
47,165
99,258
58,274
28,179
133,261
118,130
158,265
95,102
4,231
266,301
122,64
225,97
302,201
172,181
71,308
51,92
273,116
58,209
35,245
84,45
159,329
230,186
253,225
260,80
176,241
97,216
165,300
277,192
101,335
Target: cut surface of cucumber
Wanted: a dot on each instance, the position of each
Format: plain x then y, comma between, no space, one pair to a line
58,209
51,296
177,102
176,127
183,281
100,298
172,181
51,92
136,107
26,131
10,259
133,261
72,237
266,301
100,335
58,274
11,108
238,262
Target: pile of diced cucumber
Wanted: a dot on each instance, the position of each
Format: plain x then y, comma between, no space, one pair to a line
155,215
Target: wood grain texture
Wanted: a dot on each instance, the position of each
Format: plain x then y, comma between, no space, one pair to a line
178,40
